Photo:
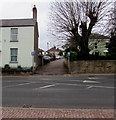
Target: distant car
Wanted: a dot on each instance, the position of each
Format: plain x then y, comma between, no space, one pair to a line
58,57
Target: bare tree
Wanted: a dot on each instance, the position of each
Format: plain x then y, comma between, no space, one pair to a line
73,21
110,27
112,31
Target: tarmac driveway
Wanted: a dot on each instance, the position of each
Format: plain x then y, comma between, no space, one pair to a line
53,68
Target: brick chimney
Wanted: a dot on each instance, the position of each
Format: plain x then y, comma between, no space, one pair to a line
35,13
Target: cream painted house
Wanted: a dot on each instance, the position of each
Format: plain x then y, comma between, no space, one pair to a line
98,44
19,42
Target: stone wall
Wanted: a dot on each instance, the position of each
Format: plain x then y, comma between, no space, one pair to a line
93,66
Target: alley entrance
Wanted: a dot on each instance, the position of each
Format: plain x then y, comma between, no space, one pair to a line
53,68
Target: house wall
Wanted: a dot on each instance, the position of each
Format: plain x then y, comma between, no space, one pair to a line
0,59
25,46
0,48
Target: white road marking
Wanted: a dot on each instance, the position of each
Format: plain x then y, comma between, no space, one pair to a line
47,86
19,84
92,78
90,81
89,87
99,87
16,85
104,87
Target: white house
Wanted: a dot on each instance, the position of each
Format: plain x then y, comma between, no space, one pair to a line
98,44
19,41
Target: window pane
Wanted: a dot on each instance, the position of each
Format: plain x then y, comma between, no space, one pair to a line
14,51
14,37
13,58
14,34
14,30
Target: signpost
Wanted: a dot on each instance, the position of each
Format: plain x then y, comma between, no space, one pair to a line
32,54
68,54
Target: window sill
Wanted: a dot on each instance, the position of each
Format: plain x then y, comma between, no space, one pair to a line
14,41
13,62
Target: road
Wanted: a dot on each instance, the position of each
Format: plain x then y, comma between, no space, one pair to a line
61,91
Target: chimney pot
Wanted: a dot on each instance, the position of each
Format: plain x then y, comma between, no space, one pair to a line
35,13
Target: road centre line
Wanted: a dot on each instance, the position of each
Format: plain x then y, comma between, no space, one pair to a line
88,86
82,85
90,81
47,86
53,84
19,85
16,85
92,78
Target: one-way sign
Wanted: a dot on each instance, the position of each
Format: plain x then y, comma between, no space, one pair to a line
32,53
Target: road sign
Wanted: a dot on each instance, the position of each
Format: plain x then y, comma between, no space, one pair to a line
68,54
32,53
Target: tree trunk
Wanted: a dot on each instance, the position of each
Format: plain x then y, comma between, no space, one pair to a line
84,40
84,51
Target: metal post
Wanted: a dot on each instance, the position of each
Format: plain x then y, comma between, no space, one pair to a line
69,64
32,64
68,54
32,54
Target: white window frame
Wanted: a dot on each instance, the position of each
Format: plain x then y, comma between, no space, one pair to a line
14,34
15,55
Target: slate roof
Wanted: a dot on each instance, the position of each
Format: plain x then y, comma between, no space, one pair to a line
17,22
98,36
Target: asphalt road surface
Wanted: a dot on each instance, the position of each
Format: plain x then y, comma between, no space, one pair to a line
82,91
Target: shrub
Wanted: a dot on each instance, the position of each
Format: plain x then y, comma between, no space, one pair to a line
18,69
6,66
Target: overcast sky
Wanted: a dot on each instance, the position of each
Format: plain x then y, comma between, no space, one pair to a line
16,9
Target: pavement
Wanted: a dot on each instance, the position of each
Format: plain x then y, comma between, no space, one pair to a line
58,113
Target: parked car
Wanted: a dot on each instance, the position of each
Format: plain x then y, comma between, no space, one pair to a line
52,58
46,59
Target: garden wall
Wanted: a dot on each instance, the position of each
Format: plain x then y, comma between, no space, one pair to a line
93,66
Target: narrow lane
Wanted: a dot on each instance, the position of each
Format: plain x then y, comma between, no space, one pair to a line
53,68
